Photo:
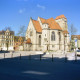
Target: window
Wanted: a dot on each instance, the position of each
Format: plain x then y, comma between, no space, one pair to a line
7,36
39,39
52,45
59,36
12,44
31,33
7,33
2,36
45,35
53,36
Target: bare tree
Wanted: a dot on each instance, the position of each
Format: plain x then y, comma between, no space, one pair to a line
7,28
21,31
72,30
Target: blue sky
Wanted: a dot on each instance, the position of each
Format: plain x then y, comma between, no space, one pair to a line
16,13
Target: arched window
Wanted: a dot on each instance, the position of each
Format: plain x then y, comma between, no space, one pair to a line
59,39
53,36
31,33
59,36
39,39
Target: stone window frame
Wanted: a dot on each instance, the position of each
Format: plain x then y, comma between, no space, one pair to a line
59,34
52,36
39,40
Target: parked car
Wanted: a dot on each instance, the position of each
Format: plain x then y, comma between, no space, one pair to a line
78,52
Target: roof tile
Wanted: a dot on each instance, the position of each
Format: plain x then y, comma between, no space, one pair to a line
28,41
37,25
59,17
52,23
75,36
65,31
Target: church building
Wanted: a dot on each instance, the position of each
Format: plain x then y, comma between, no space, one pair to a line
47,34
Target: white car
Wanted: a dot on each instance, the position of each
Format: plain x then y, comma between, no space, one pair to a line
78,52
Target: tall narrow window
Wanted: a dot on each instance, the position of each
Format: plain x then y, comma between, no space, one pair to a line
39,39
31,33
53,36
59,36
59,40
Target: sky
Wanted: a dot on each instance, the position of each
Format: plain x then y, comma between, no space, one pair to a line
17,13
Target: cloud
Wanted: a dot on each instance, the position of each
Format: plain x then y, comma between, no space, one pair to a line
40,6
22,10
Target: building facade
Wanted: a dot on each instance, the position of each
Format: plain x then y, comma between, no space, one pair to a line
47,34
75,42
19,43
6,40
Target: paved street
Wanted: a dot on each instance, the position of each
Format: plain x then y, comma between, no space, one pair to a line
26,68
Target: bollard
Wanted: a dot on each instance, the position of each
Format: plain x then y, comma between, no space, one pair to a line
29,57
20,56
65,57
40,57
52,57
4,55
75,57
12,55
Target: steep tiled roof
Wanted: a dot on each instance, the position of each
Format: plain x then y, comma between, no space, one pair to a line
37,25
52,23
59,17
75,36
28,41
65,31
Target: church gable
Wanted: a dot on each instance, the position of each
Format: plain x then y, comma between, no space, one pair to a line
30,30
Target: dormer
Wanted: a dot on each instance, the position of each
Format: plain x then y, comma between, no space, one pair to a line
45,26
